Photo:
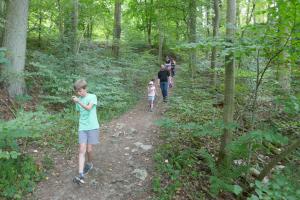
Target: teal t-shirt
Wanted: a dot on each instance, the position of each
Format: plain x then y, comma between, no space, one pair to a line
88,118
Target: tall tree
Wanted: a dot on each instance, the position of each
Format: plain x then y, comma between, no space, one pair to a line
74,33
161,41
216,24
207,15
284,66
224,155
60,22
15,43
192,33
117,29
149,16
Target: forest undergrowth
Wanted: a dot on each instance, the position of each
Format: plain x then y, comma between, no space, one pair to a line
43,123
186,161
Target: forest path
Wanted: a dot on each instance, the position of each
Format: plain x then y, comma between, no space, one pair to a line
123,161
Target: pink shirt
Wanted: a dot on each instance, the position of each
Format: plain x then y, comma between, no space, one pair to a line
151,90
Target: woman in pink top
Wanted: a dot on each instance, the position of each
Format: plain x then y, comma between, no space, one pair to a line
151,95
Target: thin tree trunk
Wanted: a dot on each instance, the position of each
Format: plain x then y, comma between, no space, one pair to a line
224,154
207,27
91,29
60,21
148,12
149,30
192,34
75,26
2,17
249,16
117,29
284,66
177,32
238,13
161,42
40,27
15,43
216,24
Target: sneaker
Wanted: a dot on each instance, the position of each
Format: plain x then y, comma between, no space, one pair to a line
151,109
87,168
78,179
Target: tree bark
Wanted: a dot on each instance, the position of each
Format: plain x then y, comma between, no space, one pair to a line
161,42
117,29
224,154
207,13
216,24
40,27
15,43
74,40
192,34
60,21
284,66
2,17
149,12
238,13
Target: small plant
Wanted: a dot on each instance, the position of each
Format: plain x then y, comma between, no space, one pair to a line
281,186
18,177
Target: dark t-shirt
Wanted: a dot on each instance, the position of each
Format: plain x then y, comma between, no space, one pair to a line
163,75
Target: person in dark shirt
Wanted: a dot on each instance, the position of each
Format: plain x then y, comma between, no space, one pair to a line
163,76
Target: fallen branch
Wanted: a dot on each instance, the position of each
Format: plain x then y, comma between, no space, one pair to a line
9,108
278,158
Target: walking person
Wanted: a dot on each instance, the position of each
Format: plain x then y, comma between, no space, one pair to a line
164,78
88,133
151,95
173,64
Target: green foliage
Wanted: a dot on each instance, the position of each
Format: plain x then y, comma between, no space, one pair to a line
26,125
18,172
3,59
18,177
191,130
283,185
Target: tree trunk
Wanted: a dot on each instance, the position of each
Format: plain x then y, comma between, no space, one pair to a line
284,66
148,11
60,21
238,13
207,27
91,29
216,24
177,32
117,29
161,42
192,34
15,43
74,27
40,27
224,154
2,17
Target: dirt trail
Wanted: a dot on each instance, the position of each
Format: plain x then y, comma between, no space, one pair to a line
123,162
